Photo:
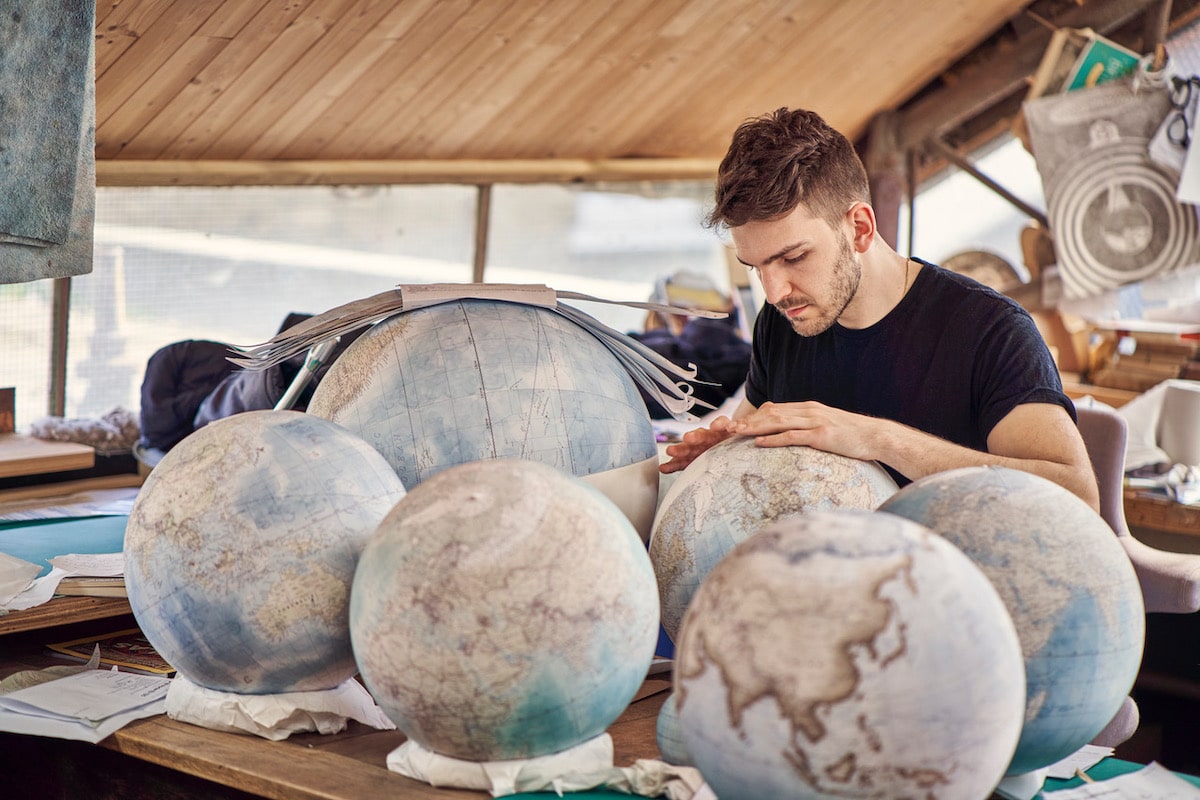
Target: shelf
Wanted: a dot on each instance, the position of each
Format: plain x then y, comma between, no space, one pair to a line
63,611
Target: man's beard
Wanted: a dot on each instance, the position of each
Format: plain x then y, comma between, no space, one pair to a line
843,285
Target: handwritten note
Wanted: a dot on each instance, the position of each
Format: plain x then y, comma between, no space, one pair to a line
91,564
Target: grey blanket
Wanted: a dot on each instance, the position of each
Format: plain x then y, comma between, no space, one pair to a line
47,150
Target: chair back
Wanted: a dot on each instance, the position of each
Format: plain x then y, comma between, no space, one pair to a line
1105,434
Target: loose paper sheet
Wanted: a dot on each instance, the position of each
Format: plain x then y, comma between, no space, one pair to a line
1153,782
16,574
97,565
87,706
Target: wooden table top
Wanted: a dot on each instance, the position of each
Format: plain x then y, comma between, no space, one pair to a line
1147,510
351,765
27,455
61,611
346,766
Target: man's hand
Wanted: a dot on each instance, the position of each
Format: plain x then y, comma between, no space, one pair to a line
1035,437
695,442
809,423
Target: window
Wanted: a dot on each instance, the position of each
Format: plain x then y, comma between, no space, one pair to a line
958,213
229,264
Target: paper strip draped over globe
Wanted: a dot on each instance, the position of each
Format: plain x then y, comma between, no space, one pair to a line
663,380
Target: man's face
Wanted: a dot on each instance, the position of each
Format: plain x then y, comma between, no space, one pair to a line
809,271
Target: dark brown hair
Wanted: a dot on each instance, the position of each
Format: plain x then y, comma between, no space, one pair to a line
777,161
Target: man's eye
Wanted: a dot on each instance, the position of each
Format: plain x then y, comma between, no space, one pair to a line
796,259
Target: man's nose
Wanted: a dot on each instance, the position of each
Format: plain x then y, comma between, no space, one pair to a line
775,284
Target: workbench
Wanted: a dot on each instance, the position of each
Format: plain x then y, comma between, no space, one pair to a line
159,757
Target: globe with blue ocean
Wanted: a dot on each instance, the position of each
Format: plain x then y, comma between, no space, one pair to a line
475,379
241,547
1066,581
504,610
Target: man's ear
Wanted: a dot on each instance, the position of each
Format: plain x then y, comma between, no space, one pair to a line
861,218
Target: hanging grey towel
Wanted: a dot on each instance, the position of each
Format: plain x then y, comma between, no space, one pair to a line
47,135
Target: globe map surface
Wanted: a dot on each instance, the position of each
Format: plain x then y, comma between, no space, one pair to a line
241,547
668,733
478,379
849,654
1068,584
504,610
733,489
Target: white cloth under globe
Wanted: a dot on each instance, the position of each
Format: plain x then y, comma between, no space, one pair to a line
274,716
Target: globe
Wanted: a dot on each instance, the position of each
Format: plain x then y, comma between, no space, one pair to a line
478,379
503,610
1068,584
849,654
241,546
669,735
734,488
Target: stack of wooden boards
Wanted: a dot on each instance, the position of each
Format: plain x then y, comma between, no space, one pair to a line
1140,359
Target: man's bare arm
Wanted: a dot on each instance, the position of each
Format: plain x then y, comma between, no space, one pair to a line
1040,438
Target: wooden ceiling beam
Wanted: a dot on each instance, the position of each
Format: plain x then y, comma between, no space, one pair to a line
125,172
982,86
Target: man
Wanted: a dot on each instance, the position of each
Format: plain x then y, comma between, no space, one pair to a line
866,353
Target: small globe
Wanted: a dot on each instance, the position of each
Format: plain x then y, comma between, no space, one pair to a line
849,654
732,490
504,610
480,379
1068,584
669,735
241,547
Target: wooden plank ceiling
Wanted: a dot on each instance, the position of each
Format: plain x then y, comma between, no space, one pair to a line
417,80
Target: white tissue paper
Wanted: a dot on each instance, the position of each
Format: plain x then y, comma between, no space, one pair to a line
16,575
1164,428
275,716
1162,431
1141,416
1022,787
585,766
1179,422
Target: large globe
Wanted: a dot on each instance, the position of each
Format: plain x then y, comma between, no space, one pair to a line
504,610
241,547
1068,584
849,654
732,490
480,379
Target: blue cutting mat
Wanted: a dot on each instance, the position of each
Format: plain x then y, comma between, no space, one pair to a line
39,541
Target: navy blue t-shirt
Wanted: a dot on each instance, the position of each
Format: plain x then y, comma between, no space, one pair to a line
953,358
